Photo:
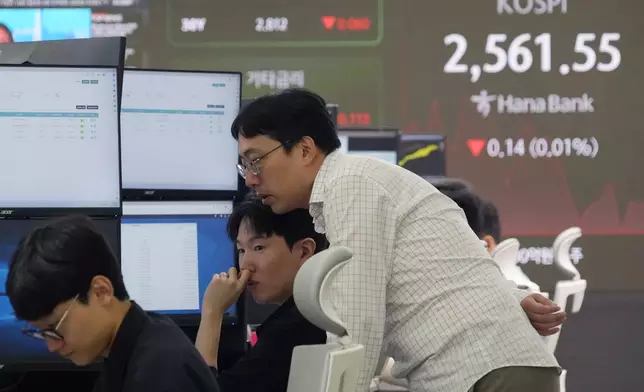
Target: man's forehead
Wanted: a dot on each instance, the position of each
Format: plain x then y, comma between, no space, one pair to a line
254,145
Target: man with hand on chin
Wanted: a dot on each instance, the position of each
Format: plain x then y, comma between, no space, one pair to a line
271,249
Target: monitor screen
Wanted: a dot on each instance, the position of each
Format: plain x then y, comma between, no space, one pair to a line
175,129
376,144
423,154
171,250
16,348
60,137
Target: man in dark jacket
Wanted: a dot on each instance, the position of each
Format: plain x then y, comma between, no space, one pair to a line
65,281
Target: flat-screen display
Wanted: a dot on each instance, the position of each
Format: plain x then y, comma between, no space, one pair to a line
59,137
171,250
15,347
423,154
34,24
381,144
176,130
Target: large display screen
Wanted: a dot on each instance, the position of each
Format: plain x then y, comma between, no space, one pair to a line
59,137
171,250
538,102
175,130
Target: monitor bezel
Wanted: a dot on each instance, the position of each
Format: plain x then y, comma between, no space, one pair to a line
10,212
135,194
192,319
392,134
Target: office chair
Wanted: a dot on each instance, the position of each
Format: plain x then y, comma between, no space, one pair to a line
505,255
331,367
575,286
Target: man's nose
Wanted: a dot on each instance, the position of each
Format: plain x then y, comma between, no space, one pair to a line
252,180
247,263
54,345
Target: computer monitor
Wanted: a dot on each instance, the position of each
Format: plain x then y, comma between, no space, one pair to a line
175,134
377,143
95,52
60,141
423,154
170,252
16,349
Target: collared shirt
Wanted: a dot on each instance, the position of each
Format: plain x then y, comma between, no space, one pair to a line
419,277
151,353
266,366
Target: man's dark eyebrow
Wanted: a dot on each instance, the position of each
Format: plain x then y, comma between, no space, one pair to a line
250,151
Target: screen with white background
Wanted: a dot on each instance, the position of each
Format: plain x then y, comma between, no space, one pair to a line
364,150
59,138
175,130
171,250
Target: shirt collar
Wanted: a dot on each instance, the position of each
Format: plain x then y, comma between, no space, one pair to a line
317,193
284,309
123,346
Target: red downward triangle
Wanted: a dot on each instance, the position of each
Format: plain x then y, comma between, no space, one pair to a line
328,22
476,146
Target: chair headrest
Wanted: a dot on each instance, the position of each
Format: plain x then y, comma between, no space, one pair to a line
561,251
505,255
312,288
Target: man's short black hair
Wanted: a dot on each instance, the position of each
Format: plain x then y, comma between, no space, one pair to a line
450,185
293,226
56,262
470,203
491,224
288,116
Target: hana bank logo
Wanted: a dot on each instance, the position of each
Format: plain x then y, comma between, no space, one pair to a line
551,104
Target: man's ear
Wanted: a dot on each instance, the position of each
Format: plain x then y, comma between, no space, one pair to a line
102,289
309,150
307,249
491,243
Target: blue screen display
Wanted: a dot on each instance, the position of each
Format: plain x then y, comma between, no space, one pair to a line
168,261
14,346
31,24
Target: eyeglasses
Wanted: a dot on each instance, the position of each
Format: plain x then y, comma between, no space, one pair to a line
50,333
253,165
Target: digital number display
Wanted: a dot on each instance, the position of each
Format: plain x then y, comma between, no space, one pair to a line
283,23
521,53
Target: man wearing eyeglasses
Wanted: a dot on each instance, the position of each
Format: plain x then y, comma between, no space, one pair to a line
420,288
65,281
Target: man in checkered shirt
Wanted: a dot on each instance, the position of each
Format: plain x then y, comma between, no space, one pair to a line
420,288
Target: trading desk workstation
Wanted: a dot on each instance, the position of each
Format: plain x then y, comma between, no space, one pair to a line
158,177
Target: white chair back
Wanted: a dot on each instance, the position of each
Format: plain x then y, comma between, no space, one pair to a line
575,287
331,367
505,255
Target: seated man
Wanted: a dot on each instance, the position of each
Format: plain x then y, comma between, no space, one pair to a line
490,225
271,248
65,281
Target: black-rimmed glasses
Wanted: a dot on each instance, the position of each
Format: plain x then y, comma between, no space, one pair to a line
253,165
50,333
